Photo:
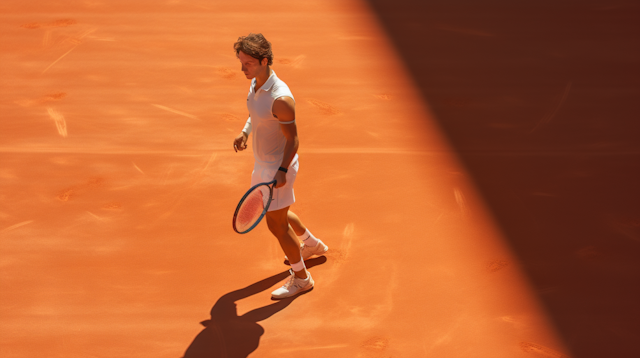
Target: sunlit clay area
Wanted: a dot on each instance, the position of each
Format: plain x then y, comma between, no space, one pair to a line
472,166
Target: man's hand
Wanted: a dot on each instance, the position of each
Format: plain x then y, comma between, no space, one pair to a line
240,143
281,178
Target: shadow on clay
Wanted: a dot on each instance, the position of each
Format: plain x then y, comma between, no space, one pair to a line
231,336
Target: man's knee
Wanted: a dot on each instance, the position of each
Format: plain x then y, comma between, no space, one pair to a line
278,224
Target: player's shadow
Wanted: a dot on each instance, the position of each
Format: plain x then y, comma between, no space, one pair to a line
231,336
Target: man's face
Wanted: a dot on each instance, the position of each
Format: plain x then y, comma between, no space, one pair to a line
251,66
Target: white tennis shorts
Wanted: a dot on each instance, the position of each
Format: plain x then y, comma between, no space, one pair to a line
283,196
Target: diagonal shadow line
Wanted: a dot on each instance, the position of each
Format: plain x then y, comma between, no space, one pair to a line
227,335
489,70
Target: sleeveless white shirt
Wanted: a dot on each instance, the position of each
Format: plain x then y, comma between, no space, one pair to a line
268,140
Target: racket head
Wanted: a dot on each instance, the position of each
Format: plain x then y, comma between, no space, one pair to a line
253,207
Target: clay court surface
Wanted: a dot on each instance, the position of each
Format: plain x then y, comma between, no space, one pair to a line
119,182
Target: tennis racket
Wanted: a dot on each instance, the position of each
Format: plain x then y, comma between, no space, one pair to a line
252,207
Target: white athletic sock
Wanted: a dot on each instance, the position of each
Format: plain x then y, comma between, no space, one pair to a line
308,239
298,266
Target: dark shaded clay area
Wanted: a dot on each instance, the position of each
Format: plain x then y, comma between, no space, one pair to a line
541,101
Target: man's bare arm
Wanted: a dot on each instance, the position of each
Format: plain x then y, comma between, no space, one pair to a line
284,109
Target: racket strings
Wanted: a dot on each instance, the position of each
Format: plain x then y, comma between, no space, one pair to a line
251,209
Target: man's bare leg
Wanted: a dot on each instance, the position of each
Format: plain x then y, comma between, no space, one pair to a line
297,225
278,224
312,245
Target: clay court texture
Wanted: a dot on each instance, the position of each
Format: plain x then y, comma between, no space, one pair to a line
476,199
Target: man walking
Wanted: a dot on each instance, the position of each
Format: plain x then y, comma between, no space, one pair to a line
275,144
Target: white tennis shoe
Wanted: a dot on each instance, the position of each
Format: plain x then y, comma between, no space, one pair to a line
307,251
293,287
317,250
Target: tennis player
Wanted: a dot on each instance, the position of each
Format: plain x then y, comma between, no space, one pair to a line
272,121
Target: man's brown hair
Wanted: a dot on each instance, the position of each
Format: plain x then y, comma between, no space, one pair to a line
256,46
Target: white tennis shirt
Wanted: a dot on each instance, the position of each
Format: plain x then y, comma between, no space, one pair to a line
268,140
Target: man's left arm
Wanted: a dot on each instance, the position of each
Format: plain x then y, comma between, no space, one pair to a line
284,108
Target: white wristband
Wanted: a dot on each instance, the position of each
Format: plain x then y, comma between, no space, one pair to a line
247,127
